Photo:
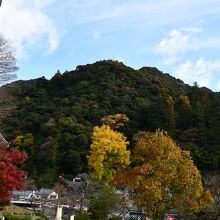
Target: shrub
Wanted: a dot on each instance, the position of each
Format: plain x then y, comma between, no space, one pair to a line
115,218
82,216
17,217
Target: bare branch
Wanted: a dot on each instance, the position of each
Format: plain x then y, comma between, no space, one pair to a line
7,61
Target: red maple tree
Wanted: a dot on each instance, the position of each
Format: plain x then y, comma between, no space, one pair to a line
11,176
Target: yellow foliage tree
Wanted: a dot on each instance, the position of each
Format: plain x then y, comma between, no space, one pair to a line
107,153
23,142
163,177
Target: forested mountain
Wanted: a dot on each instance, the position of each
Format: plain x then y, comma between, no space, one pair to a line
52,119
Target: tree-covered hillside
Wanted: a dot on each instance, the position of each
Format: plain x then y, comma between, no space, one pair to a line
53,119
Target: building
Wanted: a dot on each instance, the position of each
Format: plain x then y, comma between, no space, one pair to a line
47,194
134,214
27,195
22,195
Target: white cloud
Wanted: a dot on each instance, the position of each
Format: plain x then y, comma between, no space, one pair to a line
26,23
182,50
203,71
174,46
184,40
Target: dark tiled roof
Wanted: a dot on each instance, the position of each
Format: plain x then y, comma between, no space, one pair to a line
21,193
43,191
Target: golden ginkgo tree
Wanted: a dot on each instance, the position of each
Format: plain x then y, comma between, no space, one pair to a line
108,152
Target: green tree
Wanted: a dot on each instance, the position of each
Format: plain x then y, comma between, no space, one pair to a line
107,153
23,142
184,112
105,202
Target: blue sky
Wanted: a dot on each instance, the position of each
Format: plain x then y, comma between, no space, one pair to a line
180,37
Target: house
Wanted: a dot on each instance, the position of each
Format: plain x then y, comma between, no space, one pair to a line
47,194
81,178
22,195
77,180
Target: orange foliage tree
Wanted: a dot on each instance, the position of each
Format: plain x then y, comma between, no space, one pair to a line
115,121
163,177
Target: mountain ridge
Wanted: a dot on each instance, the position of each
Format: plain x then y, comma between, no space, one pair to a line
53,119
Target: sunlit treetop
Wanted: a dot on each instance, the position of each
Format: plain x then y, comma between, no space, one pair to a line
107,153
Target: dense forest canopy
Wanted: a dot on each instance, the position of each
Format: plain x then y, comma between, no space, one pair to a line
52,120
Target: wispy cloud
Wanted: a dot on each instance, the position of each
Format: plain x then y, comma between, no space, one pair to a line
150,12
27,25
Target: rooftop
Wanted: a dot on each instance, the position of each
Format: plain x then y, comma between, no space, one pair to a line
21,193
44,191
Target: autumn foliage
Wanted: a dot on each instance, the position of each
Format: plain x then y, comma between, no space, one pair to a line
163,176
115,121
11,177
107,153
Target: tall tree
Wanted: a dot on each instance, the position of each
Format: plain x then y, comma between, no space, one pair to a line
163,177
107,153
7,60
11,176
